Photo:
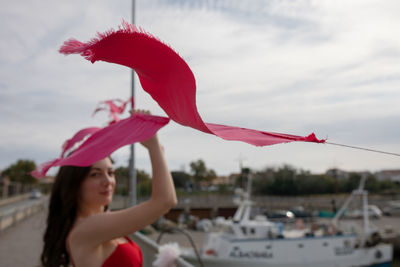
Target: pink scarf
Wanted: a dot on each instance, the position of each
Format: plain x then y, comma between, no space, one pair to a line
103,141
168,79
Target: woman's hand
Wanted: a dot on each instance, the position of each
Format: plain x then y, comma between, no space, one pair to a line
152,141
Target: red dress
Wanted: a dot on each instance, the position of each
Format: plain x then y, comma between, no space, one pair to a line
125,255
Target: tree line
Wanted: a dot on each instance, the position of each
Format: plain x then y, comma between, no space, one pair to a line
285,180
290,181
193,180
19,172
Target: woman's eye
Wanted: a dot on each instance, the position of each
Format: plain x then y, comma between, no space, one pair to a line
94,174
111,173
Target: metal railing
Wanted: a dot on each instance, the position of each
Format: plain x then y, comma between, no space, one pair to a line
149,250
12,216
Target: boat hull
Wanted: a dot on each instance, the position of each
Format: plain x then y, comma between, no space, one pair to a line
235,263
335,251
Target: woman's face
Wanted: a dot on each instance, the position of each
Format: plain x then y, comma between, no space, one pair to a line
97,188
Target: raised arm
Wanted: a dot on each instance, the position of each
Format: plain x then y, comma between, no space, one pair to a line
97,229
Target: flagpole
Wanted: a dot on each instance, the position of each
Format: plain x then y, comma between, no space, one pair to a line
132,173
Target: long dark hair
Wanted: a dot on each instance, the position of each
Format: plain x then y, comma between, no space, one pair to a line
63,208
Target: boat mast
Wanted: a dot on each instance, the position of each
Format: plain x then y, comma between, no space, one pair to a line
367,229
360,191
132,173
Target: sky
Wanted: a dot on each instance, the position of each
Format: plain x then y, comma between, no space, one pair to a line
296,67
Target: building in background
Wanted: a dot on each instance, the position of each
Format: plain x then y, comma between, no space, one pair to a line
392,175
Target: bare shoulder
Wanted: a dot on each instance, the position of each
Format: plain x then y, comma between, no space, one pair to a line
96,230
83,252
81,232
100,228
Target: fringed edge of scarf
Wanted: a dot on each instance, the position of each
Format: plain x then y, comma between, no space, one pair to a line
73,46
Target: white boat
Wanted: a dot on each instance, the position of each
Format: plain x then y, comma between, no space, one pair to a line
242,241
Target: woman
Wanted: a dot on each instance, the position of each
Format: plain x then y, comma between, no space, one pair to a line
81,232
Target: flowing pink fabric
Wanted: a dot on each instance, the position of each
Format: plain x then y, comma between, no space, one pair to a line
170,82
103,142
79,136
168,79
114,107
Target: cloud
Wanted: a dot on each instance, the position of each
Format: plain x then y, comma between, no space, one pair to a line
282,66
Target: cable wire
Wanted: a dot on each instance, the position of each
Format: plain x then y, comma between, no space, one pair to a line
366,149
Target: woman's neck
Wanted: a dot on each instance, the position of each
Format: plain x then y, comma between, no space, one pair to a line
86,211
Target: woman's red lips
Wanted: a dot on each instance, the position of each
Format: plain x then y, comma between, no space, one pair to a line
107,192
